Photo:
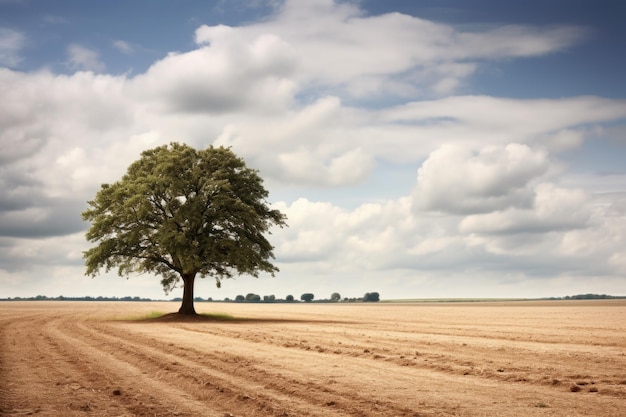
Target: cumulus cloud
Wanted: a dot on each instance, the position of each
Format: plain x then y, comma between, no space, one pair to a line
553,209
53,217
83,58
603,234
353,240
229,75
365,50
491,194
565,235
27,253
310,145
459,181
546,240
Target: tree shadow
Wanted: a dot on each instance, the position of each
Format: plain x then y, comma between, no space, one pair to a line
224,318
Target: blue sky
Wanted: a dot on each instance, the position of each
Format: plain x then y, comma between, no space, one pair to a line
419,148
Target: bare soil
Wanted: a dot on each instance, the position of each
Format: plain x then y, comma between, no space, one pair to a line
553,358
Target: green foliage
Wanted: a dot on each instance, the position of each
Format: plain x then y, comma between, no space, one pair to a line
588,297
178,212
335,297
289,298
218,316
253,298
371,297
154,315
148,316
307,296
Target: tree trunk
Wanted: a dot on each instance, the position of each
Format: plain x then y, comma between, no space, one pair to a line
187,306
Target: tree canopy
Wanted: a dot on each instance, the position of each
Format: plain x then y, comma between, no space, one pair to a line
179,212
371,296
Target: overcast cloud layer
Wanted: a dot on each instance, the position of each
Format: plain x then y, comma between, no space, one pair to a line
397,172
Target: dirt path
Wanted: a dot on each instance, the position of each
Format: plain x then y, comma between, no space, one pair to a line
533,359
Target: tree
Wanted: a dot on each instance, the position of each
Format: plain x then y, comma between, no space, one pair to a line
335,297
307,297
252,298
371,296
289,298
179,212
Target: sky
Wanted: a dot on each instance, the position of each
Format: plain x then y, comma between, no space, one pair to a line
420,149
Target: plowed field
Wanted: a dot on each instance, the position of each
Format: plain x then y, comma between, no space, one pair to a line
474,359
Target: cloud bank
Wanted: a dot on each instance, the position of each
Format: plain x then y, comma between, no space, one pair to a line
493,209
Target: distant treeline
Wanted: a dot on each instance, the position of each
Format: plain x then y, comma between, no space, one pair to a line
588,297
86,298
255,298
307,297
249,298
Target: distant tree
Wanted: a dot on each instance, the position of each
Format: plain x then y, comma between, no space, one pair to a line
269,298
307,297
371,297
289,298
240,298
588,297
335,297
253,298
179,212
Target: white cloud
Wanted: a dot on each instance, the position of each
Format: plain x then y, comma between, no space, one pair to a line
556,237
346,48
11,44
456,180
311,145
83,58
553,209
124,47
493,201
228,76
347,240
518,41
507,119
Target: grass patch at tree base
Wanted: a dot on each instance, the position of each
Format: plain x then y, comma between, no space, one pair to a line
159,316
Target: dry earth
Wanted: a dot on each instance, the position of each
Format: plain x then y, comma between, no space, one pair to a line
480,359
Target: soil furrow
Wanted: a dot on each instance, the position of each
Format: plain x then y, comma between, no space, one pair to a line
141,395
372,400
516,361
208,377
63,379
74,359
262,385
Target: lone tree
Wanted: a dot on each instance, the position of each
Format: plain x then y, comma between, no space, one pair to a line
179,212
